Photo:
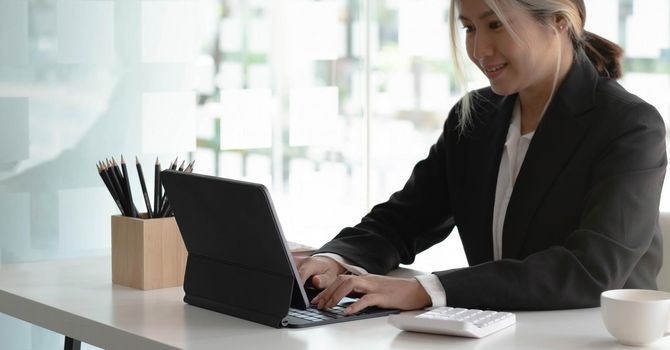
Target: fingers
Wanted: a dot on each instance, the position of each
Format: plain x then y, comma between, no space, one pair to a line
305,268
341,287
323,269
382,291
322,299
362,303
323,281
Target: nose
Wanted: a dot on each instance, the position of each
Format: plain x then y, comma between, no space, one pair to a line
481,46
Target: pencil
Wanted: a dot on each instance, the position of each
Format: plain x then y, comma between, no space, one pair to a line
157,187
108,184
181,167
165,204
115,167
173,166
126,183
130,206
189,168
144,187
114,180
166,209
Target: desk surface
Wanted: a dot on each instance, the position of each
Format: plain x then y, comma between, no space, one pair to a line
76,298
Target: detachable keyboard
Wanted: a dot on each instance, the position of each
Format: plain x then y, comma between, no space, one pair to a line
454,321
313,314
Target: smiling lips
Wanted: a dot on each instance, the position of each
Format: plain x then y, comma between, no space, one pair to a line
493,71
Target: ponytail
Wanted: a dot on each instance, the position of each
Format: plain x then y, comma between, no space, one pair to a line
604,54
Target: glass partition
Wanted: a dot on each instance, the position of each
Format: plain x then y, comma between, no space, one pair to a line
328,103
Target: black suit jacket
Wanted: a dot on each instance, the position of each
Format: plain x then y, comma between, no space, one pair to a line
582,218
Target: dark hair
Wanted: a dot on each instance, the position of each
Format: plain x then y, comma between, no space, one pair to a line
605,55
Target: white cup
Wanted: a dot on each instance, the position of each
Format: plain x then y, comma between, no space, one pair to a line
636,316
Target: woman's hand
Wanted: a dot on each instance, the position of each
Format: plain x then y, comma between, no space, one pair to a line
321,269
382,291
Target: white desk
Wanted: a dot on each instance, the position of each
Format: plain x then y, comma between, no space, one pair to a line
76,298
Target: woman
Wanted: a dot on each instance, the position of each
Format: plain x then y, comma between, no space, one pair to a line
552,175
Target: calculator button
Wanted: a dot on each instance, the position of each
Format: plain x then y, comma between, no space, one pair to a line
454,321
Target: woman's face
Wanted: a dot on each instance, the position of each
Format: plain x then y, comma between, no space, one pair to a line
510,65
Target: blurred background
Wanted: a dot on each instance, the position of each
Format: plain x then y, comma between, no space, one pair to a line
328,103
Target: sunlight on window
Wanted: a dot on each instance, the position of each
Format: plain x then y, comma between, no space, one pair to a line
246,120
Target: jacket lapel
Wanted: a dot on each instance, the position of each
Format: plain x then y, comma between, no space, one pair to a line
556,139
483,159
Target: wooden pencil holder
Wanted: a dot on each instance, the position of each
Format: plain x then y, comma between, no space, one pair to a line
147,253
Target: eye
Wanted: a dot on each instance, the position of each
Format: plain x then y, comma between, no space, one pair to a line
468,29
495,25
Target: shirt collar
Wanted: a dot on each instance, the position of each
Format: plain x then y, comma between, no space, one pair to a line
514,131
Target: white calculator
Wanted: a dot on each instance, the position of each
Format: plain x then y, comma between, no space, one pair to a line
454,321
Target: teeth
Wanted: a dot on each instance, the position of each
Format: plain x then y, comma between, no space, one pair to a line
494,69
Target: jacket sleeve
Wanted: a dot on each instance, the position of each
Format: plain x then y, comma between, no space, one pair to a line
412,220
618,224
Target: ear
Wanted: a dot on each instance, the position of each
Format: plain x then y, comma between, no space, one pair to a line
560,23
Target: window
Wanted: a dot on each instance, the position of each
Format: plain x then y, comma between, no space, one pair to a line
329,103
